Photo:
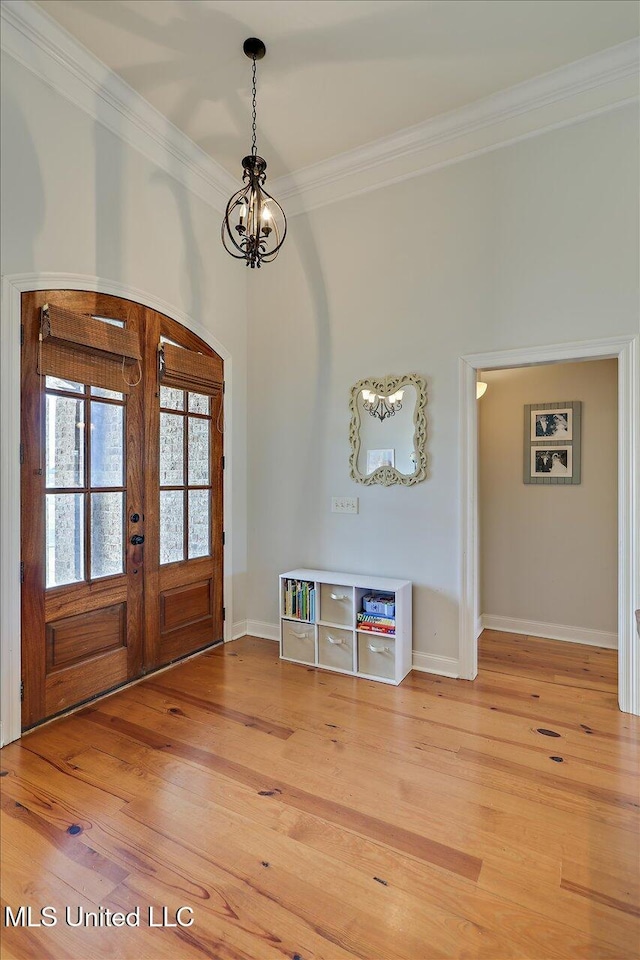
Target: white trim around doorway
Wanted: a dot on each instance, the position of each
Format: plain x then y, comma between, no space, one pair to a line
626,349
12,289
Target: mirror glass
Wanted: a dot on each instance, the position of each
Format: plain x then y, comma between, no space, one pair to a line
388,430
387,438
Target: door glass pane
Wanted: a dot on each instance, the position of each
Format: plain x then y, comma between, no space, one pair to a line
57,383
198,451
107,554
171,449
107,394
171,526
199,403
172,399
107,457
199,523
65,442
64,538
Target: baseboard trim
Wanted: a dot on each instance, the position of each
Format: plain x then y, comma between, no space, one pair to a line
551,631
262,629
432,663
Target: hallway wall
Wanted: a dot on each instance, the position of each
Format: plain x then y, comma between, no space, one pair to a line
549,553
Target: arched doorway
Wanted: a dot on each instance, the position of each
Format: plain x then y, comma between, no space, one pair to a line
121,496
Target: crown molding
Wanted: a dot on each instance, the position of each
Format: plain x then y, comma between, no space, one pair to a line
38,42
596,84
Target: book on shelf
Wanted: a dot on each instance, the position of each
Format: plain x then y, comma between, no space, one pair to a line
376,623
374,628
299,600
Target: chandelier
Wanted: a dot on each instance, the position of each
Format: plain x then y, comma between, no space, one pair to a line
254,225
380,406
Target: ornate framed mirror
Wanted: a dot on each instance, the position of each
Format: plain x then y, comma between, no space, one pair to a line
388,430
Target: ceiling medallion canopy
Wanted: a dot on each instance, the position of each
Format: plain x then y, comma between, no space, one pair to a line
254,225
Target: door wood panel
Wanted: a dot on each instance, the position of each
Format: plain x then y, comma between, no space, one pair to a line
85,635
101,594
185,605
83,638
75,684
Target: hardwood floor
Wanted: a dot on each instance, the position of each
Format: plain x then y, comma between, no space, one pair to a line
302,814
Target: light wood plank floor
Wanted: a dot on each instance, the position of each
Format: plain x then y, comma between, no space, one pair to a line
303,814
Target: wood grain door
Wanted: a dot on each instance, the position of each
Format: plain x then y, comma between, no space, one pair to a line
106,593
183,484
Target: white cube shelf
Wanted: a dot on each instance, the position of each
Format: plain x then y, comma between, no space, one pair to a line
327,633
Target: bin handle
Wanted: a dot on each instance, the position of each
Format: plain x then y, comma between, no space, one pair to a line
301,636
337,640
339,596
375,648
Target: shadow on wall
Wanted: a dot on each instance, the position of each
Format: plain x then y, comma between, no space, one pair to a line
109,196
23,195
193,273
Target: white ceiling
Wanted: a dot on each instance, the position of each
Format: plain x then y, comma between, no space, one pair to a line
338,73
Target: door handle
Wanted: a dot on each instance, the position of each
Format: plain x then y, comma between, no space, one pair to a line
136,554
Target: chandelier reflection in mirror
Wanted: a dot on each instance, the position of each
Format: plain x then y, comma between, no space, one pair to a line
254,225
380,406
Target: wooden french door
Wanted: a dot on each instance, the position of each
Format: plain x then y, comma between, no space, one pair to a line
121,496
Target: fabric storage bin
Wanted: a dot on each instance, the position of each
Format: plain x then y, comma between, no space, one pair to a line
336,604
377,655
335,648
298,641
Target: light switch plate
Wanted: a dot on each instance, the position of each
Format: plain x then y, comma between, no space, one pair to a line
344,504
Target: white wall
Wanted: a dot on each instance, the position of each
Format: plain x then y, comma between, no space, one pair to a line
549,554
532,244
78,200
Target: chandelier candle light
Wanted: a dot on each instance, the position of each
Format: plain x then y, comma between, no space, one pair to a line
254,225
380,406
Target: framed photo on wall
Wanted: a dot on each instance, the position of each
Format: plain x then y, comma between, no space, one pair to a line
551,461
555,424
552,443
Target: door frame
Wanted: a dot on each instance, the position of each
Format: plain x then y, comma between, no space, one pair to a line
626,349
13,286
